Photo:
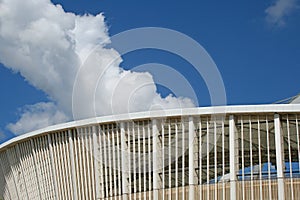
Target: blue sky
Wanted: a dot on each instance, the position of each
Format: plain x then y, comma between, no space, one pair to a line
259,59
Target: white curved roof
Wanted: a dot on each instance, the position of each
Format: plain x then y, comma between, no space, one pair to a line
269,108
296,100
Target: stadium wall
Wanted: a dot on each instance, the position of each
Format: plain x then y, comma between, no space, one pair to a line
230,152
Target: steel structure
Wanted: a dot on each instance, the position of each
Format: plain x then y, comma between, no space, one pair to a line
230,152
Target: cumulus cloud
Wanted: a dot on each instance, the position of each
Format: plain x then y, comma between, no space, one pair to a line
2,136
37,116
49,47
279,10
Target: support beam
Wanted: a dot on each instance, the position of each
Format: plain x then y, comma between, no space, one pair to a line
156,159
279,157
11,166
232,158
191,147
125,164
38,178
53,178
72,160
96,162
22,168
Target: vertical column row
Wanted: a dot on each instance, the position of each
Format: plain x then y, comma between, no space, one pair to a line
290,140
4,189
16,172
30,174
256,157
8,170
42,158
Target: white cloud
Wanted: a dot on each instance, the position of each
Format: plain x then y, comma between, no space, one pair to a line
37,116
279,10
2,136
47,46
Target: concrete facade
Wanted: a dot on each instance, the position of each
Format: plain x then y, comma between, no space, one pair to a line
230,152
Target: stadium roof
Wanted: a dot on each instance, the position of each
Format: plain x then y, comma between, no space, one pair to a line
290,100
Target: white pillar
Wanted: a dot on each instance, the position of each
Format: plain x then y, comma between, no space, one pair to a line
12,172
125,163
192,173
72,160
96,162
232,158
279,156
22,168
156,159
5,177
53,178
35,167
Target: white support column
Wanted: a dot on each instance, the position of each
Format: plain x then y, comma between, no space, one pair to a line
192,172
232,158
260,161
176,162
5,178
52,166
35,167
119,163
12,172
108,141
80,165
114,159
93,160
200,151
101,162
223,157
89,165
150,167
215,159
72,160
207,157
251,158
170,159
156,159
22,168
125,169
83,157
163,164
243,158
134,161
145,159
279,156
139,162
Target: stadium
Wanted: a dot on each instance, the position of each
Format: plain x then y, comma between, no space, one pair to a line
224,152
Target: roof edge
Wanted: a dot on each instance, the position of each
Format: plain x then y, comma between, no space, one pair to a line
233,109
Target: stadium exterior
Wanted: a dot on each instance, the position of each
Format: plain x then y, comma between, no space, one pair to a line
230,152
